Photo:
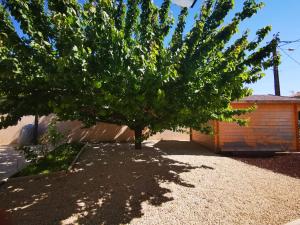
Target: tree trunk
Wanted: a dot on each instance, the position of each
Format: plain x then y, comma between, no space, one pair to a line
35,130
138,132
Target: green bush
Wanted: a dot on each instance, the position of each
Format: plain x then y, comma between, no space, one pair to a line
52,136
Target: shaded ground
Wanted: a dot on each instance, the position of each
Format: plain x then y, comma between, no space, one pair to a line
288,164
10,162
168,183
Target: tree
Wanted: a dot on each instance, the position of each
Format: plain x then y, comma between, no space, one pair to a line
111,61
23,87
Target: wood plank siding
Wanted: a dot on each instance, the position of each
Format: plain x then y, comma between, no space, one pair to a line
297,123
206,140
271,127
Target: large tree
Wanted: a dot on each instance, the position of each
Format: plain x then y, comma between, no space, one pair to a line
23,86
129,63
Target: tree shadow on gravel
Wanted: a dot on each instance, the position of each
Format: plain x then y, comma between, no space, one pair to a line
173,147
109,185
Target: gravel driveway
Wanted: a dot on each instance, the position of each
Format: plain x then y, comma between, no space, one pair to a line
166,183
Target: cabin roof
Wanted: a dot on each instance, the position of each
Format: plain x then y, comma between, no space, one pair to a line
268,99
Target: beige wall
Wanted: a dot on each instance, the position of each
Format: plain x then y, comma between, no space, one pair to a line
102,132
271,128
73,131
10,135
171,135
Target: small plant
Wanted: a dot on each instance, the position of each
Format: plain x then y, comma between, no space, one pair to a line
33,153
49,141
57,160
29,153
52,136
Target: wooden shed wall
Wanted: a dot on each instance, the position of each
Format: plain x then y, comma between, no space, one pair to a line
298,126
206,140
271,128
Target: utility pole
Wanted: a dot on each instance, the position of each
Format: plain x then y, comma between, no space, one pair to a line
275,66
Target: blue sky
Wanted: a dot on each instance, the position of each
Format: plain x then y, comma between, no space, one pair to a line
284,16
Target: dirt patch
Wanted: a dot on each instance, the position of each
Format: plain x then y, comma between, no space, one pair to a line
288,164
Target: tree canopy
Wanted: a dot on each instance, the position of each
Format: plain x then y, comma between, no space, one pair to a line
127,62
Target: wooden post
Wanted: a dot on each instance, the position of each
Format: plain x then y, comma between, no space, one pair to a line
217,136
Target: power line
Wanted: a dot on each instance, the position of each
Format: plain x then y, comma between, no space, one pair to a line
289,56
297,47
288,42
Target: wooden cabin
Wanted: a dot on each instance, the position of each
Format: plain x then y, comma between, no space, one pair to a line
273,126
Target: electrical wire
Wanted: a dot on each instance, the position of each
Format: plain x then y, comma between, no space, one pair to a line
290,56
297,47
288,42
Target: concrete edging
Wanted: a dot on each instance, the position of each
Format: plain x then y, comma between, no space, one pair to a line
70,168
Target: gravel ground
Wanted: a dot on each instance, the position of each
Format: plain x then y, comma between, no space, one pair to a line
166,183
